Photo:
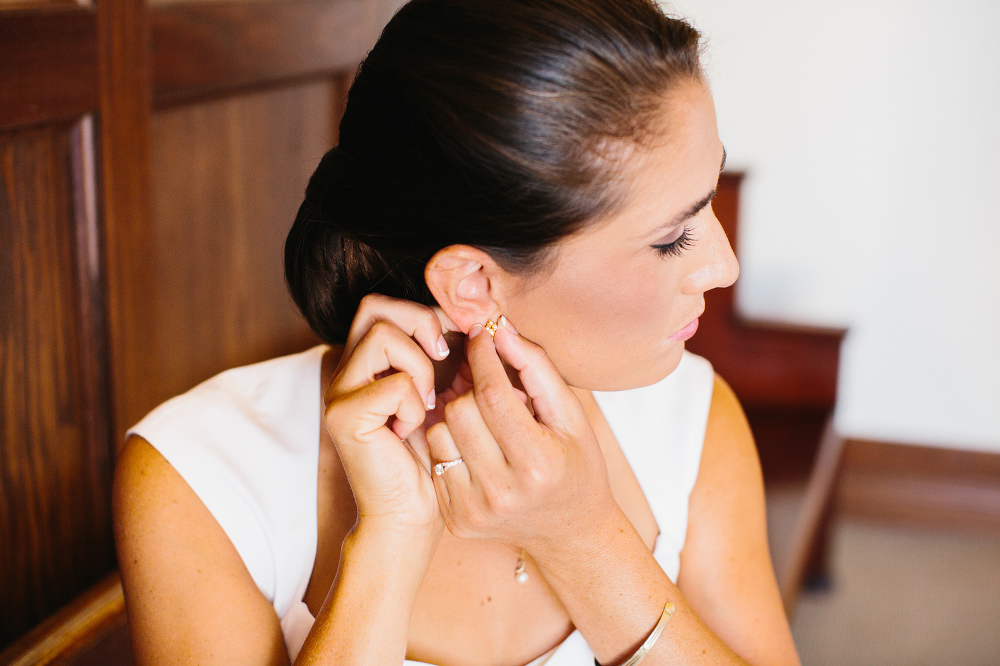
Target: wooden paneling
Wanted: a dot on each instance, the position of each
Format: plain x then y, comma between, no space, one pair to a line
55,533
194,290
229,177
208,49
48,65
35,4
123,165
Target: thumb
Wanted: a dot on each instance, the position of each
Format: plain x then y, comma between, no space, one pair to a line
549,393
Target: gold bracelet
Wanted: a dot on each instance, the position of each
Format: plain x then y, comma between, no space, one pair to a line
640,654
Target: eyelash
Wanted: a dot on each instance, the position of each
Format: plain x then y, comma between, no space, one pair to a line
675,249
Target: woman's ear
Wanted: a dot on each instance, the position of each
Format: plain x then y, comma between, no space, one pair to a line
467,284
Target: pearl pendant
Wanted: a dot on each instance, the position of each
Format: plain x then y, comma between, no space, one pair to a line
520,575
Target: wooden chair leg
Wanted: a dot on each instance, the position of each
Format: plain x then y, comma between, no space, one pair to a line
809,542
817,572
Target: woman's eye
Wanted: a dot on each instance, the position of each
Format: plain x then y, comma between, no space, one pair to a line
677,247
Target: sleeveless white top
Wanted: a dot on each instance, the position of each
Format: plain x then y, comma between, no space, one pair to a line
247,442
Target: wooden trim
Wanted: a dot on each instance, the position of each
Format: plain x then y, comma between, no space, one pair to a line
920,485
49,69
126,196
204,50
92,337
89,617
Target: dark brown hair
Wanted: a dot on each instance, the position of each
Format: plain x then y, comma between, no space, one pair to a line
480,122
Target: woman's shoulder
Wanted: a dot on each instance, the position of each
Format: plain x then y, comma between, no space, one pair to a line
244,442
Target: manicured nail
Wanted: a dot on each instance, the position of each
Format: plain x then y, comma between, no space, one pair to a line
431,399
506,324
443,347
475,330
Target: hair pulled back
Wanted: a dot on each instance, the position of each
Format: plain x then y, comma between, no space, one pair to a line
478,122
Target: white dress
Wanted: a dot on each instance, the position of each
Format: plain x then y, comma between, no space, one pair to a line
247,442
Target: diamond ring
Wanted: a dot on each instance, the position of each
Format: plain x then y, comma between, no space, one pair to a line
442,467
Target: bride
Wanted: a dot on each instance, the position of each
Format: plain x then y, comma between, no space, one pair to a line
502,454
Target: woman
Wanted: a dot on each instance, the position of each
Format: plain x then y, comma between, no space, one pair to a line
570,485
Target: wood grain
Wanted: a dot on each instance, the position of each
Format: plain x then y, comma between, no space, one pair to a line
7,5
49,65
75,628
55,533
230,176
124,180
204,50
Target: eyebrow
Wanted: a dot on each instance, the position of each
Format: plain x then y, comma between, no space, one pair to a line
698,205
693,210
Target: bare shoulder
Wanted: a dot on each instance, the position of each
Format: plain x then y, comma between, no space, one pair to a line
189,597
726,420
726,572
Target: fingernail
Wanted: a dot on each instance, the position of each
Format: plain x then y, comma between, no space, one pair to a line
443,347
475,330
506,324
431,399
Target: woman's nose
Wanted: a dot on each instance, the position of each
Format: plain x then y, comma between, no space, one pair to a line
717,265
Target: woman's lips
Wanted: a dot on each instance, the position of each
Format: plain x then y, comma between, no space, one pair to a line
687,332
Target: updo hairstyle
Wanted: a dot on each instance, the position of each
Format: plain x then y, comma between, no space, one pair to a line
478,122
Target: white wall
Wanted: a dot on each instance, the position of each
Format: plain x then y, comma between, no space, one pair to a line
869,133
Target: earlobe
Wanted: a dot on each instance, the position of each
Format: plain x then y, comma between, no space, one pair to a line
461,279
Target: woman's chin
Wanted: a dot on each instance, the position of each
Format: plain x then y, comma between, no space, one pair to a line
644,372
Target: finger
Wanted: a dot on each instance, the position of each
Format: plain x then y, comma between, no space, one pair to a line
418,321
462,381
503,411
442,449
476,444
362,414
386,347
544,385
417,444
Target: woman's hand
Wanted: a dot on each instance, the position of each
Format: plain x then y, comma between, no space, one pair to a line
532,481
380,393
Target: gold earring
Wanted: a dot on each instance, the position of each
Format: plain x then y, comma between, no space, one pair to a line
492,328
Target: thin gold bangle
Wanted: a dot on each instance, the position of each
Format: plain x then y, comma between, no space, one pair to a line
640,654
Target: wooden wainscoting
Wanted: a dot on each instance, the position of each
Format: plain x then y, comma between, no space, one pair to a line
152,158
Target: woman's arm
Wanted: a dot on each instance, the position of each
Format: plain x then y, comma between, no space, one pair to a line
190,598
726,573
729,609
366,616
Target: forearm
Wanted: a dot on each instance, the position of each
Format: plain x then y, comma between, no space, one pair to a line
614,591
365,618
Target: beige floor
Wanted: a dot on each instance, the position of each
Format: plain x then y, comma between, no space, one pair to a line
904,597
